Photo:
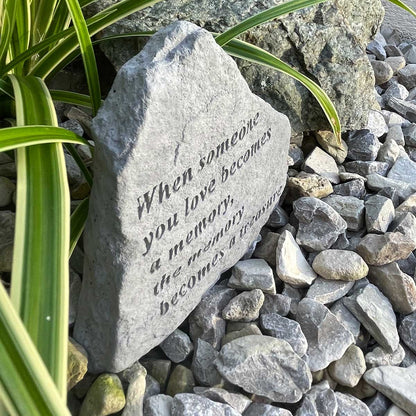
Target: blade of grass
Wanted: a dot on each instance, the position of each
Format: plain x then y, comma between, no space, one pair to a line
403,6
70,97
244,50
21,36
87,53
42,11
7,25
78,218
40,276
73,152
26,388
262,17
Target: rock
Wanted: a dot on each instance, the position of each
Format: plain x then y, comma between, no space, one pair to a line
365,168
394,410
389,152
329,142
404,108
408,265
382,71
409,53
177,346
350,208
203,367
276,304
206,322
379,357
376,123
278,218
253,274
409,205
186,404
154,220
397,286
159,405
319,400
291,265
396,383
327,338
77,363
181,381
377,250
396,133
74,291
375,313
328,291
7,188
407,76
295,295
319,224
361,391
265,366
377,182
350,406
245,306
403,170
355,188
256,409
340,265
378,404
309,184
323,164
348,370
237,401
409,134
396,63
377,48
104,397
379,213
266,248
135,393
392,194
295,157
395,90
159,370
346,318
152,387
286,330
247,330
407,331
409,357
74,126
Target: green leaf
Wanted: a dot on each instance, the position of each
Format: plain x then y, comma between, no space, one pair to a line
71,149
244,50
87,53
403,6
26,387
40,276
78,219
262,17
42,13
22,136
70,97
8,15
21,36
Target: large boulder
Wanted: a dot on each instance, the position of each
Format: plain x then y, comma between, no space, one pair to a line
326,42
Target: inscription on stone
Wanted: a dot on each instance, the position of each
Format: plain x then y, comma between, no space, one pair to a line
188,166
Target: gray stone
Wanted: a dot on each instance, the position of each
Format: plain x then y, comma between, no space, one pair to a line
295,295
206,322
408,265
375,313
409,134
346,318
291,265
177,346
389,152
186,404
74,126
278,218
285,329
250,329
329,142
327,338
397,286
392,194
363,145
265,366
396,133
379,357
319,224
350,208
378,404
328,291
253,274
409,205
203,367
340,265
394,410
322,164
8,170
407,331
382,71
308,184
377,250
158,405
152,387
180,381
377,48
348,370
7,188
379,213
365,168
404,108
396,383
395,90
237,401
320,400
276,304
135,394
392,51
74,291
403,170
337,61
159,370
409,357
377,182
244,307
407,76
295,157
266,248
409,53
77,364
145,218
251,248
376,123
396,63
355,188
256,409
350,406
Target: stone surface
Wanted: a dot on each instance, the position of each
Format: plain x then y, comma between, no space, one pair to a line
77,363
266,248
403,170
397,286
407,76
405,108
340,265
135,393
256,409
181,381
382,71
158,405
351,406
405,223
285,329
167,230
346,318
327,338
177,346
320,400
328,291
376,123
276,304
379,357
396,383
251,329
329,142
253,274
362,145
291,265
378,404
407,331
409,205
379,213
245,306
322,164
159,370
394,410
350,208
377,182
186,404
265,366
354,188
375,313
278,218
378,250
309,184
237,401
319,224
7,188
365,168
203,367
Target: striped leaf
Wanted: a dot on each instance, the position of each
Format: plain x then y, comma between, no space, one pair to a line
403,6
78,218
